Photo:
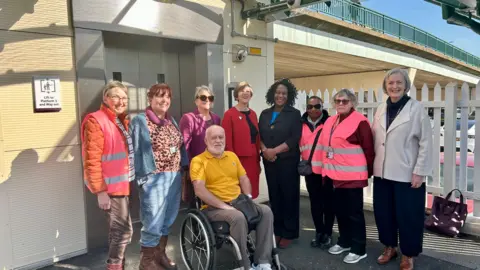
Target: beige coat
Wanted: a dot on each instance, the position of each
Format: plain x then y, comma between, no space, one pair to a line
406,147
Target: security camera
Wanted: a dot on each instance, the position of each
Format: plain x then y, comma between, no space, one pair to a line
294,3
239,52
241,55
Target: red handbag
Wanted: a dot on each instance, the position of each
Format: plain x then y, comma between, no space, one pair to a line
447,216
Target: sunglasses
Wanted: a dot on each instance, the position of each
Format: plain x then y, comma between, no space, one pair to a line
204,98
342,101
317,106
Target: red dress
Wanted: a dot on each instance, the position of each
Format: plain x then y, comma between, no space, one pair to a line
238,140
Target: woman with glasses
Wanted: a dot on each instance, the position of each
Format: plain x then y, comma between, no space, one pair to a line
159,157
347,159
403,144
108,159
241,134
280,131
320,192
193,126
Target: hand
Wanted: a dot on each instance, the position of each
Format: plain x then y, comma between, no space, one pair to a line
273,159
228,207
269,154
417,180
103,200
269,160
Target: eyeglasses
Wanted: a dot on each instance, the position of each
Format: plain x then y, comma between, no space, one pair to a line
316,106
117,98
204,98
342,101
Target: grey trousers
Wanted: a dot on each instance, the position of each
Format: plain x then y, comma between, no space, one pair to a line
239,231
120,228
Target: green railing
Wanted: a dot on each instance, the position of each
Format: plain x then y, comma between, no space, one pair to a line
371,19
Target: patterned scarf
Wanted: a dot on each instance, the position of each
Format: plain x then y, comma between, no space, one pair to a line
131,169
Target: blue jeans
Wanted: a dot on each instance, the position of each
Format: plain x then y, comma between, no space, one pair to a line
159,204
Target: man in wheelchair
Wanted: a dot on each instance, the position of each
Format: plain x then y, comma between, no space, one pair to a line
219,179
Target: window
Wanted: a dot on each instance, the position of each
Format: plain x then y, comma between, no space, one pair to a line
117,76
160,78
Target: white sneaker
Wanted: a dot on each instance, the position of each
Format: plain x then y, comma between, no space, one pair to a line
262,266
354,258
335,250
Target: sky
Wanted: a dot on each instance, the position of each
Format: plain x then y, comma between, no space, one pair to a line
428,17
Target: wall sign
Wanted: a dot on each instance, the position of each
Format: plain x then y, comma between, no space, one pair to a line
46,90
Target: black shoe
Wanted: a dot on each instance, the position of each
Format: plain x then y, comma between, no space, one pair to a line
321,241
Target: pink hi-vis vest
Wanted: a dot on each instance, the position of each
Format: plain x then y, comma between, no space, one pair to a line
348,161
115,169
306,144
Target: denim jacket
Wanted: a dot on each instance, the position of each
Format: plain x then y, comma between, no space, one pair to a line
142,147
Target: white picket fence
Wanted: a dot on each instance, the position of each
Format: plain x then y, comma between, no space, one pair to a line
451,176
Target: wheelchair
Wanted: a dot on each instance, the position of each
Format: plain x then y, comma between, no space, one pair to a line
200,239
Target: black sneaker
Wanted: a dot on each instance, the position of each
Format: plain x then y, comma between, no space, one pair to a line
321,241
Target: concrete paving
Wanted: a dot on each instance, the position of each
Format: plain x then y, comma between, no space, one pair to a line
439,252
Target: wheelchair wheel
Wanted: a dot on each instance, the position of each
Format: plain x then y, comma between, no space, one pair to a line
197,242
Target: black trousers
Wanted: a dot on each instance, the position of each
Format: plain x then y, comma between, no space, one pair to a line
283,183
350,219
399,211
321,203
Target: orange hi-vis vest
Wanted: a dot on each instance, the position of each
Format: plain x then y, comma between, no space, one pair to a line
306,144
342,160
115,169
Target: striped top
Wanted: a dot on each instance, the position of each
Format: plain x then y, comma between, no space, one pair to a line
131,163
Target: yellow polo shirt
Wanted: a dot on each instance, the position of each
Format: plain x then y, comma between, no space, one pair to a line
221,175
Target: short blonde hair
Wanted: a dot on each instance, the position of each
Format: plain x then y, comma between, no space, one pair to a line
346,93
201,88
400,71
111,85
240,87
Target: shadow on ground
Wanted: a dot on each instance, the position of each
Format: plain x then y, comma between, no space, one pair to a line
440,253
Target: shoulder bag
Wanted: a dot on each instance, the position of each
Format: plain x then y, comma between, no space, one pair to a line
250,210
305,166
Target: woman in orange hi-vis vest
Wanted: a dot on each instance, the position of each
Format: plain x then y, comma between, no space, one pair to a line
347,160
320,192
109,167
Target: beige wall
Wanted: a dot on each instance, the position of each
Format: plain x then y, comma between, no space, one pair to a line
365,80
257,70
41,206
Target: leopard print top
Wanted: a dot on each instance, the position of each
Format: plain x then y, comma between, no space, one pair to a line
166,142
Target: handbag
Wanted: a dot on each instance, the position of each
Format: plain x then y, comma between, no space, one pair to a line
305,166
188,193
447,216
250,210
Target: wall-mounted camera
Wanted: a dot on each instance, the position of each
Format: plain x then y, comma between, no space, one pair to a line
239,52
